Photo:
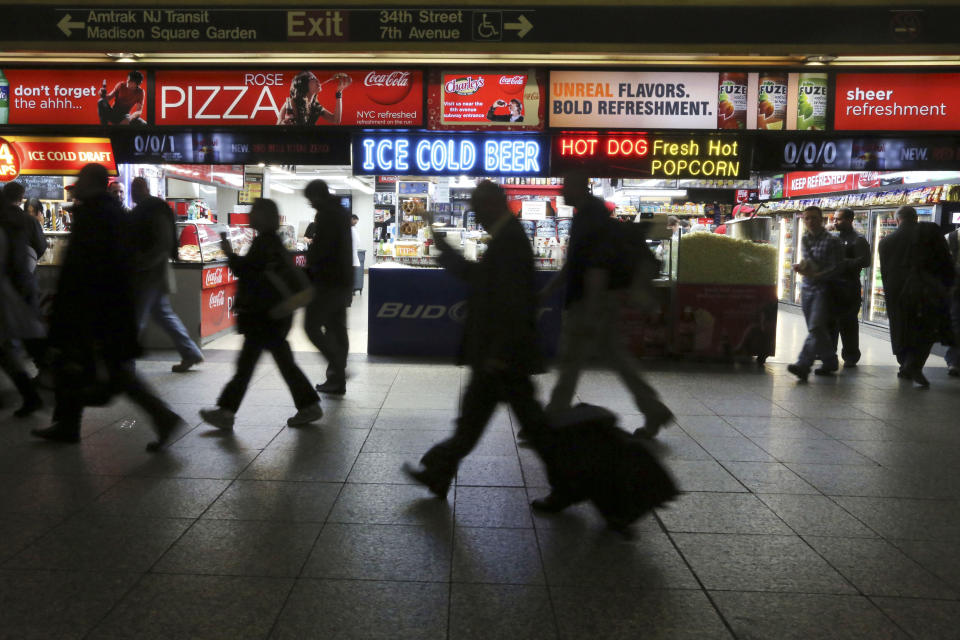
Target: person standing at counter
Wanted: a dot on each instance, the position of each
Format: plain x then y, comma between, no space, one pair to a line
154,242
917,274
499,337
590,323
856,257
261,328
330,266
93,327
822,259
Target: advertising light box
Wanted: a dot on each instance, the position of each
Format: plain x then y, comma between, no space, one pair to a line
104,97
486,100
50,156
866,153
734,100
898,102
369,98
651,155
439,155
324,147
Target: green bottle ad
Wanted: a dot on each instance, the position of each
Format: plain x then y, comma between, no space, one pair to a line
4,99
812,102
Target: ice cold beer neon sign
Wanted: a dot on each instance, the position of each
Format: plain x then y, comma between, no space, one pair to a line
450,155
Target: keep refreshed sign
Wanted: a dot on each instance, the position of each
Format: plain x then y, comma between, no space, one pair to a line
898,102
453,154
369,98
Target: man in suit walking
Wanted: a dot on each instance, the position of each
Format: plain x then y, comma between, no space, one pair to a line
499,337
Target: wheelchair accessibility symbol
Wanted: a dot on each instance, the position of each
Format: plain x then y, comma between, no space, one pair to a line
487,25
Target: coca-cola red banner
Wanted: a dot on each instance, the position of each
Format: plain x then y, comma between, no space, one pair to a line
472,100
214,277
371,98
217,310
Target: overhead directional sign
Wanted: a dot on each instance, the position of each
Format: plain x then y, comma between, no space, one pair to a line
413,27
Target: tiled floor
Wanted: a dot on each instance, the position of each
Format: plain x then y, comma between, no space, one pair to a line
826,510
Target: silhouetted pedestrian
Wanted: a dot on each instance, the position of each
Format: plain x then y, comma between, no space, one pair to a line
822,258
18,321
594,278
330,265
93,325
154,241
917,274
499,337
953,352
257,296
848,294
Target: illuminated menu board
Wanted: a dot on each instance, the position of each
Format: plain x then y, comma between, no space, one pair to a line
651,155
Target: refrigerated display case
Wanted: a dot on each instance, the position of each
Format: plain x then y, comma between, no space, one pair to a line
882,223
783,240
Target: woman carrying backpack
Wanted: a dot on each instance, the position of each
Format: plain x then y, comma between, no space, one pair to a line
261,294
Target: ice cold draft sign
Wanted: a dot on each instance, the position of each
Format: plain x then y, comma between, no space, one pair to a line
437,155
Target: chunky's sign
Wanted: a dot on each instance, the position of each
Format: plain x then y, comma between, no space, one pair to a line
471,100
371,98
651,155
438,155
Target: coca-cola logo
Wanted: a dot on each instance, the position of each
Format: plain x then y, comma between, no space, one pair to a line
387,87
512,85
219,299
213,277
464,86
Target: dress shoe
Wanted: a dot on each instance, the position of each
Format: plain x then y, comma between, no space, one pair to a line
165,432
653,423
849,365
920,380
332,388
185,365
306,415
437,484
802,373
220,418
553,503
58,433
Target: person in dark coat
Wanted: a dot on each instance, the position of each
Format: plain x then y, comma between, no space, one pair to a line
917,274
499,337
256,296
155,243
19,233
953,353
849,295
330,265
93,326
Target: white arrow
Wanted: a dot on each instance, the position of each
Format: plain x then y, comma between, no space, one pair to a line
522,26
67,27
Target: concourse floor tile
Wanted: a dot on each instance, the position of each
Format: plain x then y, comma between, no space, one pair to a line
500,612
159,497
490,471
53,494
237,439
198,462
737,449
241,548
300,465
97,543
181,606
720,513
319,437
923,619
819,451
364,609
730,562
702,475
603,559
775,428
860,430
868,480
906,518
699,427
17,530
391,504
416,442
416,419
769,477
675,444
797,616
939,558
492,507
275,500
381,468
877,568
627,615
816,515
38,605
501,556
380,552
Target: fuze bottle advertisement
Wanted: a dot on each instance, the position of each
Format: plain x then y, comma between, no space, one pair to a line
372,98
107,97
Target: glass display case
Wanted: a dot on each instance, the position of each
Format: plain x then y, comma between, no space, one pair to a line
200,243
